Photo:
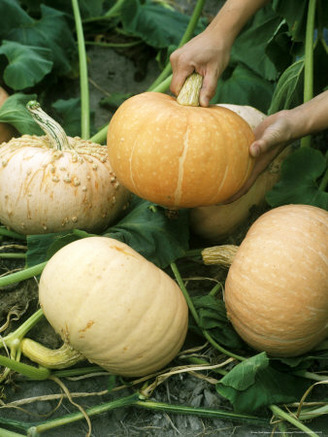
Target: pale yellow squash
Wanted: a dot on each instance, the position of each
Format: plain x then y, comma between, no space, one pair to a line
113,306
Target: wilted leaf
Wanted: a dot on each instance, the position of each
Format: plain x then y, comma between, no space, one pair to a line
254,383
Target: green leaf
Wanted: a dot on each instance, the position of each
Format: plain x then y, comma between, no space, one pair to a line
289,90
28,65
14,112
68,115
299,180
115,100
148,230
250,47
213,318
295,13
87,8
155,24
244,87
255,383
14,16
52,32
42,247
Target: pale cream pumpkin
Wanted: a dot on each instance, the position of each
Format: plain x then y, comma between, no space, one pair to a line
177,154
54,182
277,285
111,306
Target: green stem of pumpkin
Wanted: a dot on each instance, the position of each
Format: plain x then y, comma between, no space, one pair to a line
22,275
12,255
11,234
84,85
136,400
308,62
6,433
162,83
185,38
278,412
50,127
60,358
196,318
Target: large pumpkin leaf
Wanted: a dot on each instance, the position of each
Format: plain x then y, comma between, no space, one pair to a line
87,8
50,32
28,65
244,87
255,383
300,173
155,24
146,228
15,16
250,47
14,112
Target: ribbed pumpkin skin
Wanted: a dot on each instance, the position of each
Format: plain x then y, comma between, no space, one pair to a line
217,222
115,307
179,156
276,291
44,190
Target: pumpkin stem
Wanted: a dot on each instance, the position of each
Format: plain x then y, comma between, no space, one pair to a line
219,255
60,358
50,127
189,93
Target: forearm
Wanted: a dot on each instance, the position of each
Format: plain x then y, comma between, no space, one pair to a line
232,17
310,117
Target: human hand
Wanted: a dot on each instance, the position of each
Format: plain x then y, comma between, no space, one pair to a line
205,55
271,136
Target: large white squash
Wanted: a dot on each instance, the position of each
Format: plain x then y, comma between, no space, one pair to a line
113,307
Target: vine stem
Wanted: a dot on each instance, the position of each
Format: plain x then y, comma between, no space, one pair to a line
196,318
308,62
6,433
278,412
84,84
185,38
11,234
137,400
22,275
162,83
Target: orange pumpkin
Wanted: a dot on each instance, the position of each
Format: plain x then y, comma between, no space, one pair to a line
176,154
